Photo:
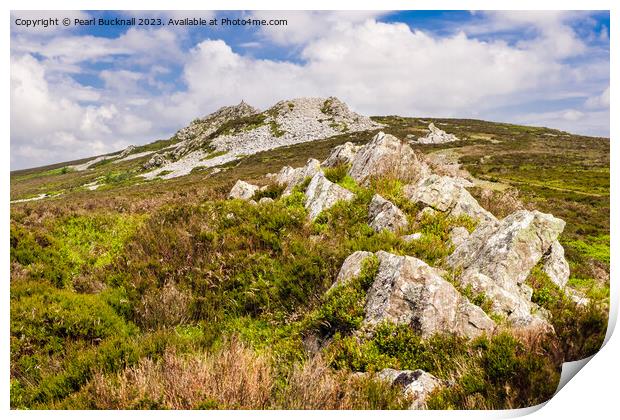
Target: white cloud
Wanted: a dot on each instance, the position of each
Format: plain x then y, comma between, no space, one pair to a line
598,101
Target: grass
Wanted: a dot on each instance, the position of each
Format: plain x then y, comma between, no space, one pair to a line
163,294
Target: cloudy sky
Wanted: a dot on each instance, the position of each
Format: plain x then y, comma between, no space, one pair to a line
78,92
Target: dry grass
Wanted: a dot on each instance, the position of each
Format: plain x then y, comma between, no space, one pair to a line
236,377
164,307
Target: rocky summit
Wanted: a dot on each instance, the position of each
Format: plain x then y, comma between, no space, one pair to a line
236,131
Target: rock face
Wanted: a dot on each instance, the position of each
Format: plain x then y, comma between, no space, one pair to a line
291,177
458,235
408,291
127,151
555,265
436,136
321,194
352,267
498,256
341,155
243,190
448,195
386,155
383,214
416,384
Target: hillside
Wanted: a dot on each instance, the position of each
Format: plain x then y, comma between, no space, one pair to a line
224,268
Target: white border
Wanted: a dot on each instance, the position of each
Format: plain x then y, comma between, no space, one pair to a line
593,394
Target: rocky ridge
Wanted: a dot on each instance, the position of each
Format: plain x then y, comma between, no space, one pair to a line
241,130
493,261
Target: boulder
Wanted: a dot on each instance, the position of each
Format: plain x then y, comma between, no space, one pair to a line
387,155
265,200
352,267
341,155
383,214
408,291
413,237
127,151
436,136
291,177
416,384
322,194
498,256
448,195
555,265
458,235
243,190
155,161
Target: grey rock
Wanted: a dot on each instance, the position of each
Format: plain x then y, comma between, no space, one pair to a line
383,214
322,194
385,155
352,267
555,265
265,200
408,291
127,151
416,384
426,212
243,190
155,161
498,256
341,155
291,177
436,136
448,195
458,235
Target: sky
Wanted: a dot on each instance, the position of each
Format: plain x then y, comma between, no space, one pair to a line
83,91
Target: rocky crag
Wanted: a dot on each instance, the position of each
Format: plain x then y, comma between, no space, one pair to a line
493,261
242,130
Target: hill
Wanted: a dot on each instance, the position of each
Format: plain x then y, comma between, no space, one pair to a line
136,268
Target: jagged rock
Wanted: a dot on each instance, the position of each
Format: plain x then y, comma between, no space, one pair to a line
413,237
498,256
265,200
555,265
416,384
127,151
436,136
448,195
321,194
243,190
408,291
352,267
387,155
155,161
383,214
458,235
291,177
342,154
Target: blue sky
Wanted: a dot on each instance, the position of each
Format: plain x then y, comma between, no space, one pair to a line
77,92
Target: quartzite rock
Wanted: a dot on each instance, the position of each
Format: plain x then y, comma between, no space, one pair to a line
383,214
416,384
322,194
408,291
243,190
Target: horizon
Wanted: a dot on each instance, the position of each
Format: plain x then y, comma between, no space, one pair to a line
85,91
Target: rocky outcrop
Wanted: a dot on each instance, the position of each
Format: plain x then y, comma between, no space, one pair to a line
436,136
243,190
498,256
322,194
341,155
555,265
415,384
383,214
127,151
447,195
155,161
408,291
352,267
387,155
291,177
412,237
